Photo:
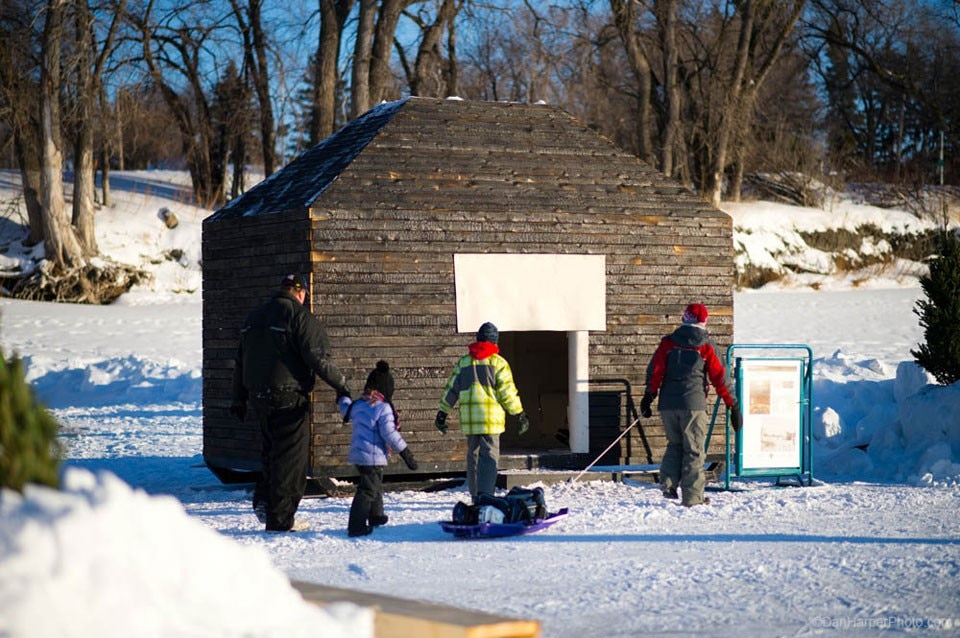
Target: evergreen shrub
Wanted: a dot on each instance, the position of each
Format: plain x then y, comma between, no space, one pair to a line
29,449
940,313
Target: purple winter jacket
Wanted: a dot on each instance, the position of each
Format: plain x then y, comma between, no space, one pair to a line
374,429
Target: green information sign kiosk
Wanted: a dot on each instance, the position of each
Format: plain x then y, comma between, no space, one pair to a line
774,388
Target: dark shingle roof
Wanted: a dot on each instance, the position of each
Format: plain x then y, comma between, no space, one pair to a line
304,179
427,153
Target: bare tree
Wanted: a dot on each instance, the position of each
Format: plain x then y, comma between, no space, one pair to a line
666,13
380,75
625,18
233,115
333,17
432,73
891,73
362,51
257,69
520,53
483,64
174,50
730,60
89,66
60,243
39,119
19,97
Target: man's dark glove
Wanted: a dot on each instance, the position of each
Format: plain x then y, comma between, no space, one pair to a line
344,392
736,419
239,410
524,423
407,457
441,421
645,403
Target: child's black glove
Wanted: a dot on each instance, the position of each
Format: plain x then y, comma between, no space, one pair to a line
407,457
441,421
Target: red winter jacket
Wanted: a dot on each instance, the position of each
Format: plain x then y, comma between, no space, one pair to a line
681,368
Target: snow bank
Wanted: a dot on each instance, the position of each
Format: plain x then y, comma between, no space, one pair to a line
905,429
102,559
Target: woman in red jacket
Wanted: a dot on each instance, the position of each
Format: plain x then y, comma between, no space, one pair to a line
681,372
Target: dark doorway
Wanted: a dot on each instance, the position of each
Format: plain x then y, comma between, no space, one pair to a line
539,364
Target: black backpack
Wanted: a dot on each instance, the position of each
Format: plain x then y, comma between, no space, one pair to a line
526,505
519,505
464,514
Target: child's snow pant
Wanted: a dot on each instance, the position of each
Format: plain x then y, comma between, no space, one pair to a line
367,506
483,458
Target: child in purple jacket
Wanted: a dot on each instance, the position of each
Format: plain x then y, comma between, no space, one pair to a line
375,432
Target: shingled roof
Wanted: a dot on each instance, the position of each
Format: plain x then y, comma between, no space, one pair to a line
499,149
307,176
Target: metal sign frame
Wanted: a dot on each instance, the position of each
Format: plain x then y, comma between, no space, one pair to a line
775,395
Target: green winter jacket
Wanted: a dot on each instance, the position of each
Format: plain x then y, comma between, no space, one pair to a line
482,383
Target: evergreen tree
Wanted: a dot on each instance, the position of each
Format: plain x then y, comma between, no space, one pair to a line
29,449
940,313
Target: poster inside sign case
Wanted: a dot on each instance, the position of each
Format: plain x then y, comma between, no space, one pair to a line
772,434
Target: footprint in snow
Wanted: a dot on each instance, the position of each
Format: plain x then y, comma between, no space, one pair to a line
359,571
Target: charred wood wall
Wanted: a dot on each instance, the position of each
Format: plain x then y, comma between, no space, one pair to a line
464,177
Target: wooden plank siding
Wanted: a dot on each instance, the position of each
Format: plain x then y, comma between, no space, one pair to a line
436,178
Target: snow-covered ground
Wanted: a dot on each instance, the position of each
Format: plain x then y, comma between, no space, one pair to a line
167,550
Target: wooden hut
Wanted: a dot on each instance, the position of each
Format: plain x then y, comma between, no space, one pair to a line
425,217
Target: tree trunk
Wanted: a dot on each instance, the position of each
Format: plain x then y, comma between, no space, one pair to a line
255,57
452,70
362,52
83,169
625,18
89,90
769,22
731,105
60,244
105,177
381,78
428,75
326,80
262,87
121,161
671,86
327,54
83,192
105,148
20,97
28,158
736,179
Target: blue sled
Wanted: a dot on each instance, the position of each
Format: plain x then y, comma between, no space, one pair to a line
499,530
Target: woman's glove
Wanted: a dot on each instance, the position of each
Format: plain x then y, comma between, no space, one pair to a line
645,403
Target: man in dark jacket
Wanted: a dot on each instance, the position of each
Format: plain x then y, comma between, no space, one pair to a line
283,348
681,368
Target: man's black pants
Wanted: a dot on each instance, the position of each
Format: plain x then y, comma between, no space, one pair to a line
285,457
